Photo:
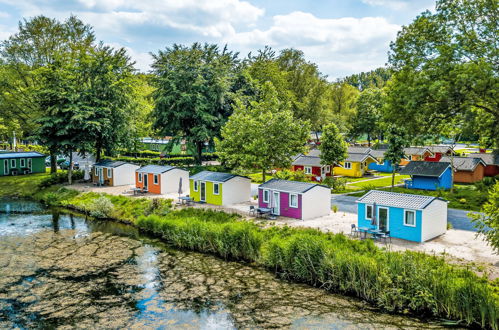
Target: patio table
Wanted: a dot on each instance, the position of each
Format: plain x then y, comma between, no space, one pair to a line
185,200
263,210
136,191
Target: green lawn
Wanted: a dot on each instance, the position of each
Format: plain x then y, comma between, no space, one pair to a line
21,185
382,182
465,197
257,177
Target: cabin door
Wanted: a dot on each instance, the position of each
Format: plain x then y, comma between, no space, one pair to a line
383,219
101,175
203,192
30,165
146,180
6,166
276,207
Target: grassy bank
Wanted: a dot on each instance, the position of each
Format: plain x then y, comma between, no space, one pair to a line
402,282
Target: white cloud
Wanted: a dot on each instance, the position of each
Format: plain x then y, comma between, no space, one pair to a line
143,59
399,5
343,45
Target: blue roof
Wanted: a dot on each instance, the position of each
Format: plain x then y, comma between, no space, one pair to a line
155,169
215,176
29,154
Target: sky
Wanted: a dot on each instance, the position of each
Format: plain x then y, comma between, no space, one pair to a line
342,37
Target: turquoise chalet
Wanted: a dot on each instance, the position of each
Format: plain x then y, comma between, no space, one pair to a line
410,217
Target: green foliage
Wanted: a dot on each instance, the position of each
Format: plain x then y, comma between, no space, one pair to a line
373,79
368,117
342,101
263,134
397,140
59,178
337,185
293,176
101,207
192,98
333,147
488,222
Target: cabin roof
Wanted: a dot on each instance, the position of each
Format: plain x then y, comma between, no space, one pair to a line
155,169
110,163
439,149
416,151
422,168
358,157
308,161
406,201
378,153
30,154
215,176
489,159
464,163
358,150
289,186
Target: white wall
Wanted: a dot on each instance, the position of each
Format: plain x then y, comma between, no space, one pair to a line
170,180
316,203
434,220
124,174
236,190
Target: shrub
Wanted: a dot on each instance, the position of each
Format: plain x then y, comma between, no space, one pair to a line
337,184
101,207
292,175
60,177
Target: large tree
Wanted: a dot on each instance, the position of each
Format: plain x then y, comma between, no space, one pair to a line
397,141
343,100
192,99
368,118
487,223
333,146
262,134
446,67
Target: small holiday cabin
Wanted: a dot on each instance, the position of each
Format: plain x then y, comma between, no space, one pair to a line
294,199
415,154
355,165
15,163
162,180
416,218
491,161
466,169
114,173
428,175
381,164
311,165
219,188
438,152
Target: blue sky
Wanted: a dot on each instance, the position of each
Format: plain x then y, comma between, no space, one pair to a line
341,36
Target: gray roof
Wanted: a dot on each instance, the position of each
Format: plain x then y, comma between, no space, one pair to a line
378,153
215,176
290,186
416,150
308,161
30,154
422,168
314,153
358,150
439,149
406,201
357,157
156,169
489,159
110,163
464,163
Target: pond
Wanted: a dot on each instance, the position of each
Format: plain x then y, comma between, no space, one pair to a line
59,270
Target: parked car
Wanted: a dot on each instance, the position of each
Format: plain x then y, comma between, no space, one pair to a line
60,159
65,165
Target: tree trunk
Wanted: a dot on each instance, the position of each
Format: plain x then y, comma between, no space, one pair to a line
393,178
263,175
368,140
316,136
98,151
199,153
70,168
53,161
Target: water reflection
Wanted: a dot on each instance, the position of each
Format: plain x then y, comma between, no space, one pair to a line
61,270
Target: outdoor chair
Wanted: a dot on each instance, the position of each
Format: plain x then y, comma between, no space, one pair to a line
354,232
252,210
386,236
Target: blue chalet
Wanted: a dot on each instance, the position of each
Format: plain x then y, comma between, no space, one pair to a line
428,175
410,217
382,164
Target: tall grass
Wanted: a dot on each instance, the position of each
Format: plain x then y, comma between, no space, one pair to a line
403,282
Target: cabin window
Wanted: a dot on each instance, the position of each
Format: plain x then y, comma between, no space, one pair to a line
308,170
96,171
140,177
109,173
293,200
328,169
22,162
156,179
12,163
216,189
369,211
410,157
323,170
410,218
5,166
196,185
348,165
265,196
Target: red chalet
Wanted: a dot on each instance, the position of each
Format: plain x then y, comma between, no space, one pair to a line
438,153
311,165
491,161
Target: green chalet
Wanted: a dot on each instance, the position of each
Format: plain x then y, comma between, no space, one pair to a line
14,163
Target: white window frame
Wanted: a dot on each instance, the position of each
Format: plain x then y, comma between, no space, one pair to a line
218,188
22,162
109,173
155,179
266,192
410,157
328,168
5,166
323,170
405,218
196,185
307,169
12,163
290,199
349,167
96,171
140,177
372,209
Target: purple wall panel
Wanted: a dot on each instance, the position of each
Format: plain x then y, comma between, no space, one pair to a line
286,210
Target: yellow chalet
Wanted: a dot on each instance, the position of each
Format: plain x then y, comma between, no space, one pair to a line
356,164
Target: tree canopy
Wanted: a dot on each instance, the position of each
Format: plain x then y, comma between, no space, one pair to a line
333,146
